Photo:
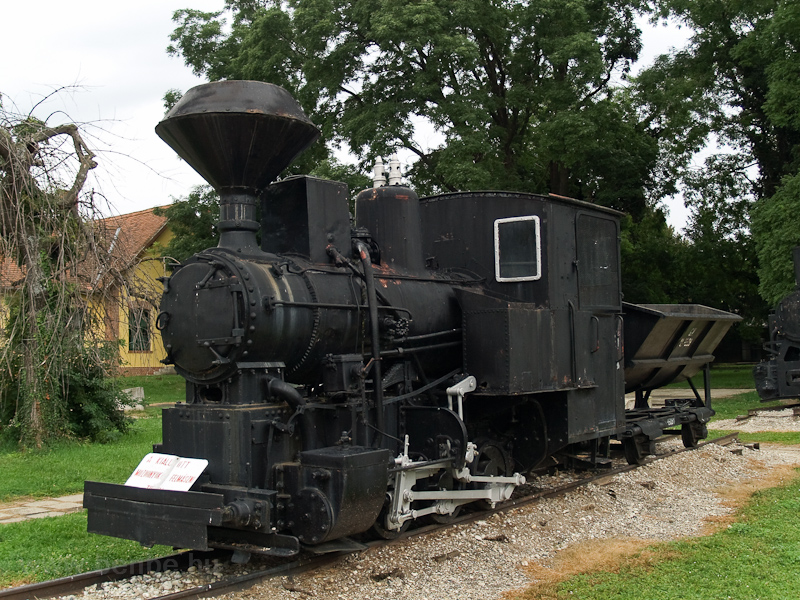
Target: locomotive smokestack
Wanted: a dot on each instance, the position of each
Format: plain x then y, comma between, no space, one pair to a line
238,135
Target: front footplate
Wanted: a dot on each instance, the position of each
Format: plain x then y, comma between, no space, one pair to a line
191,520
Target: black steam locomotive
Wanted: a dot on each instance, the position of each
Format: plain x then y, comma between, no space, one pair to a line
345,377
778,377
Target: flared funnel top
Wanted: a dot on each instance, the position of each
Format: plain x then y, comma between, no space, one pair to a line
238,134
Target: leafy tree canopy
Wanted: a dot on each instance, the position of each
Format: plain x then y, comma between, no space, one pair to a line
720,263
527,96
736,84
192,221
651,269
519,95
776,232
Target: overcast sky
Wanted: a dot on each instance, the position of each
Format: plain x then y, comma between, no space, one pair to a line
112,57
114,54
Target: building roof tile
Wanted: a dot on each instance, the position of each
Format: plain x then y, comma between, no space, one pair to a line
123,237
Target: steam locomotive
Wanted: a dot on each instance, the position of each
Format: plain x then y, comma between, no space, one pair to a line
779,376
344,378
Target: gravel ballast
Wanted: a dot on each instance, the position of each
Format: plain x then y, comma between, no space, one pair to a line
767,420
668,499
672,498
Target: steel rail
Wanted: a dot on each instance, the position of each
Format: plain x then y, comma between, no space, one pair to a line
72,583
75,583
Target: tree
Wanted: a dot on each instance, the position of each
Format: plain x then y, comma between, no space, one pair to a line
192,221
776,232
720,271
519,95
736,84
651,252
53,361
720,262
483,95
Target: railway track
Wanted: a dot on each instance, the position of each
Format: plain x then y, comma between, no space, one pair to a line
280,568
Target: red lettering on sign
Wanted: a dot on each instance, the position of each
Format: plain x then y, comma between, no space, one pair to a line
181,478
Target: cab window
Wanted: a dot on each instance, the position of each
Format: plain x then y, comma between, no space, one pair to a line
517,249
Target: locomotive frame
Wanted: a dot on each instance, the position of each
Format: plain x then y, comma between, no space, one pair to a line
342,379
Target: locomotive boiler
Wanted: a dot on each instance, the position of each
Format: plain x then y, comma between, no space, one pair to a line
351,376
778,377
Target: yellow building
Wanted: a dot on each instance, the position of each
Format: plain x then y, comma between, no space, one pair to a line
123,287
10,276
135,242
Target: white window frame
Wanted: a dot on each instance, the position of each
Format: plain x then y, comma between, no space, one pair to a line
497,224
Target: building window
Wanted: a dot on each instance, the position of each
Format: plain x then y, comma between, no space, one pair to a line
139,330
517,249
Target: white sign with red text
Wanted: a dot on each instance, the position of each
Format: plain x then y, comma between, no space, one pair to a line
184,474
167,472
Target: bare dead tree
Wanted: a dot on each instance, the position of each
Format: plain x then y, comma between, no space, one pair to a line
57,271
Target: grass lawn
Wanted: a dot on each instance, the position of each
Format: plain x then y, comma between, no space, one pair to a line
42,549
724,376
157,388
62,468
730,408
756,557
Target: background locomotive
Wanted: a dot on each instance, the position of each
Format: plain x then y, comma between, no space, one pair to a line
779,375
345,378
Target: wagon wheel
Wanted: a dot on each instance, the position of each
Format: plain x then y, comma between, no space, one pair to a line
633,451
692,433
491,459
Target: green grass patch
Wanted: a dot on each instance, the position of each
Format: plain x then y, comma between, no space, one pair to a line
730,408
756,557
61,469
157,388
786,438
42,549
724,376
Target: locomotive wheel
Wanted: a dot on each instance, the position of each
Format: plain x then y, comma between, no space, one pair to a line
446,482
692,433
492,459
380,527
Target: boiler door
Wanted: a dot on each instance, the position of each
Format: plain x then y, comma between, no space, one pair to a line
201,319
